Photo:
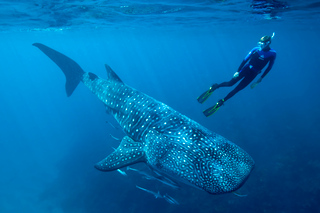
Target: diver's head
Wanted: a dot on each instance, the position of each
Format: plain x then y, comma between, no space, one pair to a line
265,41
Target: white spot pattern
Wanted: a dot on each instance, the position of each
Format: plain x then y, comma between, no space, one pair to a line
169,141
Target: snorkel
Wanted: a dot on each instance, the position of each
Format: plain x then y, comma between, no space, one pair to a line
273,34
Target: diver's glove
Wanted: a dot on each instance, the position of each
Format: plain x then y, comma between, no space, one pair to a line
236,75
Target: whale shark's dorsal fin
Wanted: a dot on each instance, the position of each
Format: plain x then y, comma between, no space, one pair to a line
112,75
129,152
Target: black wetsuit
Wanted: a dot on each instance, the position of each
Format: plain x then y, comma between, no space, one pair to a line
250,67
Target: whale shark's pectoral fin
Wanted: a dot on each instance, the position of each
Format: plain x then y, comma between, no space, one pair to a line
129,152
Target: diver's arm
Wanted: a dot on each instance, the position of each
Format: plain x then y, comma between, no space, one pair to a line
246,59
270,65
242,64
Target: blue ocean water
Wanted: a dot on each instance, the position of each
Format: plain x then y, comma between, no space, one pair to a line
172,51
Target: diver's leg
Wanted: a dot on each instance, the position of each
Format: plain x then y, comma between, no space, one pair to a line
246,80
233,81
211,110
229,83
204,96
247,76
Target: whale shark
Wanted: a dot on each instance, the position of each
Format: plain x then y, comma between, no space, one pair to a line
168,142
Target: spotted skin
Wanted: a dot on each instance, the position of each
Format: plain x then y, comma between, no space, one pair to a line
167,141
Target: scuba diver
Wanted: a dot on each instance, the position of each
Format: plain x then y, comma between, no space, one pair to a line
250,67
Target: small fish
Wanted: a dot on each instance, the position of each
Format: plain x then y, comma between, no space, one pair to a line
117,139
164,180
111,125
138,171
161,179
170,199
122,172
156,194
166,197
239,195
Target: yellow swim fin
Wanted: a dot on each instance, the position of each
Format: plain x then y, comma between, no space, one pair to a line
204,96
211,110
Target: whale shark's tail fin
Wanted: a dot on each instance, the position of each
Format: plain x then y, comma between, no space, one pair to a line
70,68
